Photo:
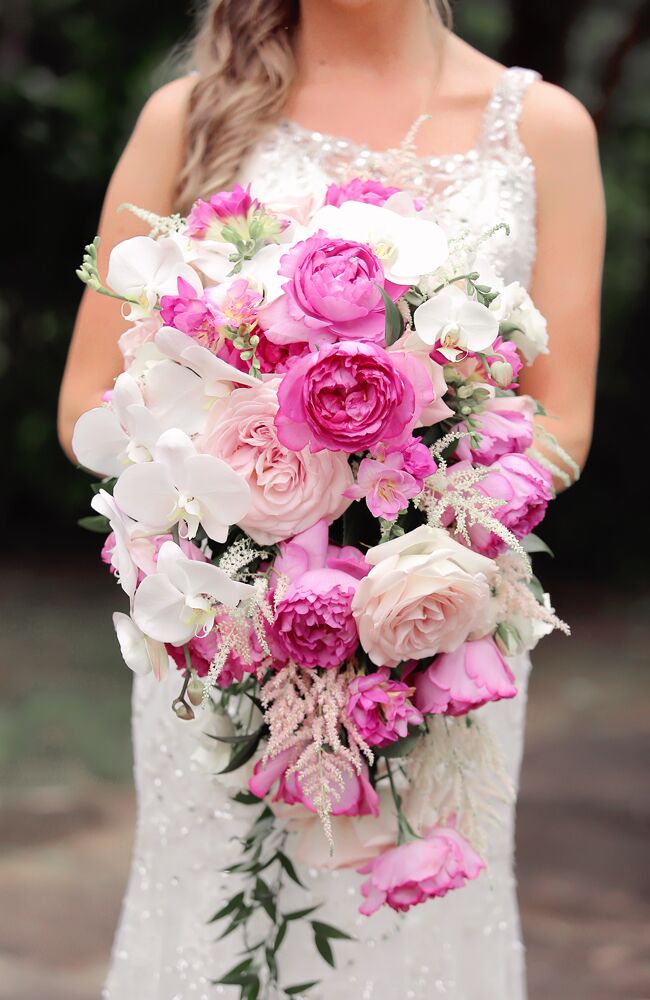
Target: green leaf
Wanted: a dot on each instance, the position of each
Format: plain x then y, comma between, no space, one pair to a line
326,930
400,748
289,869
394,327
246,799
537,589
234,740
299,914
506,329
237,975
533,543
252,990
95,522
236,922
264,896
241,756
233,904
292,991
271,963
280,936
324,949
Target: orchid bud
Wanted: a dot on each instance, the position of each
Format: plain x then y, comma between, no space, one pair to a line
502,373
182,710
195,690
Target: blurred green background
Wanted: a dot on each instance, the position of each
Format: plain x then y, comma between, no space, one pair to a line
73,77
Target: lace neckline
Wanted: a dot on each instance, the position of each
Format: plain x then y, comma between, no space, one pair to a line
510,83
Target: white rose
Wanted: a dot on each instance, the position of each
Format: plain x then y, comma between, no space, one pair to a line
514,305
425,594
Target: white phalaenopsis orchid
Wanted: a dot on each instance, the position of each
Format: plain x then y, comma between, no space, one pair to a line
142,269
514,305
180,484
455,324
217,375
122,560
181,599
108,438
140,653
407,246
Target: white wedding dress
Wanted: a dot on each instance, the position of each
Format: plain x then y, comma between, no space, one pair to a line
467,945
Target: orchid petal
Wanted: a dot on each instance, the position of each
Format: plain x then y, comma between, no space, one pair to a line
99,442
146,493
161,611
141,654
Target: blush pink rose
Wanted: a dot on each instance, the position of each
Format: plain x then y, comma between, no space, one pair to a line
290,490
351,397
314,625
333,293
419,870
370,192
425,594
356,798
455,683
505,425
380,708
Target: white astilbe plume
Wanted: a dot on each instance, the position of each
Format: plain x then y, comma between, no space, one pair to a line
308,711
161,225
515,598
457,775
549,441
453,490
239,555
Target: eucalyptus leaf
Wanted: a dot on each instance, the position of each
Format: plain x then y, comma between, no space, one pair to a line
394,327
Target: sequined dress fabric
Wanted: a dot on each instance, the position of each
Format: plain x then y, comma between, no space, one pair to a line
467,945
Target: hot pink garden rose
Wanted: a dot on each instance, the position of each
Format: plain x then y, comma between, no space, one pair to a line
455,683
290,490
351,397
505,425
425,594
314,625
380,708
419,870
369,191
356,798
332,294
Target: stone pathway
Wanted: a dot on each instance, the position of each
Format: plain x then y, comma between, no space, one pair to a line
66,821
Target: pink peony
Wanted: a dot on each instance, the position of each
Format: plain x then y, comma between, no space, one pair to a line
504,426
207,218
351,397
425,594
369,191
418,870
525,488
333,293
314,625
356,798
290,490
386,487
455,683
380,708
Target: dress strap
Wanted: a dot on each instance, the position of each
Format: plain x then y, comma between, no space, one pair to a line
500,125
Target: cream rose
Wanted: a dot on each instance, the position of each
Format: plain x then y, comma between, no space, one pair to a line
290,491
425,594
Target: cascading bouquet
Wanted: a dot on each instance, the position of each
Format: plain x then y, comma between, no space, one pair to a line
318,490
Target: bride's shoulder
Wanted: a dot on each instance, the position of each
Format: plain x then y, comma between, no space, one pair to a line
555,124
167,107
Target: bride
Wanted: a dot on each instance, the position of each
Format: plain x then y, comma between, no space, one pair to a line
290,95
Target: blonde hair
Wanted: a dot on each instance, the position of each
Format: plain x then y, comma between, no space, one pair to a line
243,57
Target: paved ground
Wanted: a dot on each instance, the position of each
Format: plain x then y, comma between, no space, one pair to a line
67,806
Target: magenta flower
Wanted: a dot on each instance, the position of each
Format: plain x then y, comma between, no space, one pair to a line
505,426
385,486
198,316
277,358
356,798
352,397
504,351
207,218
455,683
381,709
410,874
369,191
314,625
333,293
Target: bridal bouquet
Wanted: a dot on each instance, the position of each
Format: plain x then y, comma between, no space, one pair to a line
318,487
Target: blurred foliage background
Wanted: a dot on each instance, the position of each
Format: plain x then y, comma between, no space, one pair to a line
73,76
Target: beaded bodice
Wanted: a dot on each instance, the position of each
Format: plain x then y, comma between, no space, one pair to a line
492,182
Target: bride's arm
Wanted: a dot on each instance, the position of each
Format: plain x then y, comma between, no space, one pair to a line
559,135
145,176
